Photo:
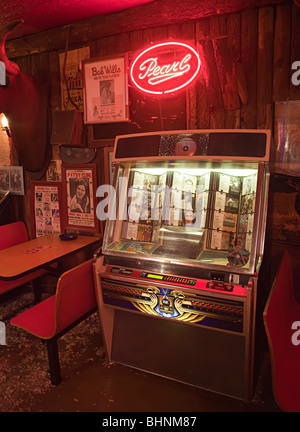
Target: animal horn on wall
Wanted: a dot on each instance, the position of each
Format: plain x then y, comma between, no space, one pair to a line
11,67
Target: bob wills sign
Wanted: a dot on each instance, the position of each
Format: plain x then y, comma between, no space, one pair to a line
165,68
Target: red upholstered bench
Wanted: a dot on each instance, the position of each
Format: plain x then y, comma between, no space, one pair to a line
73,301
11,235
282,325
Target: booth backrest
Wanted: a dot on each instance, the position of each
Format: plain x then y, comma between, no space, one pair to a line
12,234
281,312
75,295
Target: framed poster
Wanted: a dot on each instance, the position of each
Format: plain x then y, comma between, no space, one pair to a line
285,204
72,75
79,190
105,90
287,138
46,208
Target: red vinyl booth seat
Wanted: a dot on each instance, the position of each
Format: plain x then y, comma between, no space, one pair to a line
11,235
281,311
73,301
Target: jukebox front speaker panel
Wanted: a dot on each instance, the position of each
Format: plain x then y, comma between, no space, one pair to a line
197,356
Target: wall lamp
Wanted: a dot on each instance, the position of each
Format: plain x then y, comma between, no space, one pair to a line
5,126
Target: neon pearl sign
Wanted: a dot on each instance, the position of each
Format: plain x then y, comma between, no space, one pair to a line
165,68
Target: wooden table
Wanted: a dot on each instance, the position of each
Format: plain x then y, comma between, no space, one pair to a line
38,253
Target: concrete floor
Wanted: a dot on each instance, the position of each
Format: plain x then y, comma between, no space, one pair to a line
91,384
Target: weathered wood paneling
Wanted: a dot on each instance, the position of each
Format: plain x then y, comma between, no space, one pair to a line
246,58
249,37
282,53
264,65
246,61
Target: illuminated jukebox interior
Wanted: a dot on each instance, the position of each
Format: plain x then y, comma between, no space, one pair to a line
177,278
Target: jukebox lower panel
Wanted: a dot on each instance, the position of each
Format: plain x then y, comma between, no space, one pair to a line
188,354
176,304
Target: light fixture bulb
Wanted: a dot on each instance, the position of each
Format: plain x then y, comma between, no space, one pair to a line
5,126
4,122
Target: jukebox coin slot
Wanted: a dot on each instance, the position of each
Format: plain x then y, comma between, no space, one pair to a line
120,270
217,276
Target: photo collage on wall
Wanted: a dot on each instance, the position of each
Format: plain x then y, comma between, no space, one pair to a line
144,207
188,201
233,212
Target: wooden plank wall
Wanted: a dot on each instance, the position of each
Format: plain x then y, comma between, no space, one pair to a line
247,58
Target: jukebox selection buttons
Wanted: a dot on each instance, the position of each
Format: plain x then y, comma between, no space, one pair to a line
169,278
215,309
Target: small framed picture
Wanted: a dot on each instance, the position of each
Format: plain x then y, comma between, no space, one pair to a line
108,166
54,171
46,208
79,194
11,179
105,90
287,137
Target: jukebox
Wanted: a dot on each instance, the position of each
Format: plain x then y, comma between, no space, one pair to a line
177,277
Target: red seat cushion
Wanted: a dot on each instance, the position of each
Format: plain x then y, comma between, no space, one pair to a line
9,285
74,297
38,320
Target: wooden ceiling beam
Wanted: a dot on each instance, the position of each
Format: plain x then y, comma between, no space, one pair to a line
158,13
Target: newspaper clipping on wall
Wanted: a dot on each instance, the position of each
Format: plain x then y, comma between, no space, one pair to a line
71,76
